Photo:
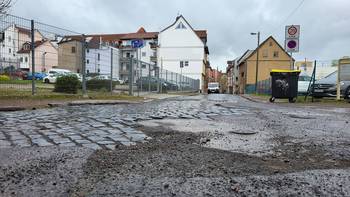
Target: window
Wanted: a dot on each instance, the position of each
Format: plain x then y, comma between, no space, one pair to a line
87,50
87,61
265,53
186,63
143,66
9,38
143,54
26,46
87,71
21,59
98,70
275,54
270,44
26,59
127,54
10,50
73,49
180,26
98,56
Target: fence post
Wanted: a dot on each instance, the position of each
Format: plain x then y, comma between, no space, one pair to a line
84,66
149,77
161,73
33,56
130,77
177,85
111,82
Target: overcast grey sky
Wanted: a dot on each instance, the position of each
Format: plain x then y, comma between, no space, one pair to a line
325,24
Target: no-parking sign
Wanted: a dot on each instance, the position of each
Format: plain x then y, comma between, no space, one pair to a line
292,38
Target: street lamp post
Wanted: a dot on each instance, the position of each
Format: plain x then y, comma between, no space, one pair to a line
257,61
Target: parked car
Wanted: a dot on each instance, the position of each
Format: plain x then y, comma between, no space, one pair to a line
327,87
105,77
37,76
58,71
303,83
213,87
52,78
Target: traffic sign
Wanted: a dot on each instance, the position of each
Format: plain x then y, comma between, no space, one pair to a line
292,45
138,43
292,31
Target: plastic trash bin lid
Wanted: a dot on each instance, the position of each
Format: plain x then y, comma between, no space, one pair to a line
285,71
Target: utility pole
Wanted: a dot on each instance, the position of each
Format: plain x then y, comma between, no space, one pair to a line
257,62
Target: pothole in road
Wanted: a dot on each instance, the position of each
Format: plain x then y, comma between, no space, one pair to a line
231,136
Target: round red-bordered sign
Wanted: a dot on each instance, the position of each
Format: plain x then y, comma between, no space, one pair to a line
292,30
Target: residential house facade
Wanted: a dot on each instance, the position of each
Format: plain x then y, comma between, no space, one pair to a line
14,38
70,54
179,44
146,54
271,56
176,44
45,56
232,76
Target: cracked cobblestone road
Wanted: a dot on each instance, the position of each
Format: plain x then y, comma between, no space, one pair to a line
215,145
96,127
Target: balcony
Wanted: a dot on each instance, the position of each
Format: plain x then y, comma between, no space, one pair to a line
153,45
123,72
153,59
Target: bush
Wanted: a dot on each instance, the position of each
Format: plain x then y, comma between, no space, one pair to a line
4,78
67,84
99,84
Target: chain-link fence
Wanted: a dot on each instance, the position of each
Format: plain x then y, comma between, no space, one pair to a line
37,58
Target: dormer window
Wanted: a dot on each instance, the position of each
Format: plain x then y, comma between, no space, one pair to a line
181,26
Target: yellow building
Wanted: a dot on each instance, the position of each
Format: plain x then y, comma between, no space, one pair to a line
271,56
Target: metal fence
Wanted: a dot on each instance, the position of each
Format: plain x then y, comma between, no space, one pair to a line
34,55
264,87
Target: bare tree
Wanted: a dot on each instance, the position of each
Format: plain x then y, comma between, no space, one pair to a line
5,5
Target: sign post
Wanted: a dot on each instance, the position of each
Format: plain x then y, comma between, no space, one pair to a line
292,34
137,44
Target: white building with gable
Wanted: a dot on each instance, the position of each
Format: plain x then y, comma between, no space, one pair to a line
179,44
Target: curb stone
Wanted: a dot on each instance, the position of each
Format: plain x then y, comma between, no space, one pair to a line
11,108
252,99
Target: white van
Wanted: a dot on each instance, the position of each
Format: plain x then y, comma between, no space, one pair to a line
213,88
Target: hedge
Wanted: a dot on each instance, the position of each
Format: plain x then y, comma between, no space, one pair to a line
67,84
100,84
4,78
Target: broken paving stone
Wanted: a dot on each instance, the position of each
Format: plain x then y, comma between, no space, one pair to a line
92,146
157,117
105,142
204,140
